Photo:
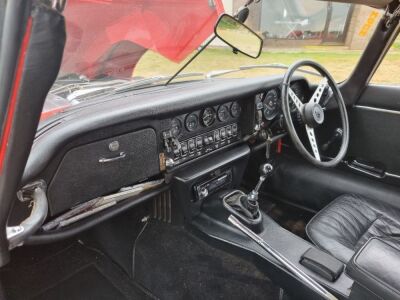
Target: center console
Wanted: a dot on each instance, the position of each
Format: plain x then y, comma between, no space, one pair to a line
214,226
210,194
197,183
214,204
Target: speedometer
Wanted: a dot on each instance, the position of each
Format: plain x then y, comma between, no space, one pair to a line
208,116
271,105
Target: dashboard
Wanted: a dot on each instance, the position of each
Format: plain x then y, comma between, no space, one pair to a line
194,134
124,139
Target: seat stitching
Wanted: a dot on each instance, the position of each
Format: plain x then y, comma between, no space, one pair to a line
319,214
348,201
348,221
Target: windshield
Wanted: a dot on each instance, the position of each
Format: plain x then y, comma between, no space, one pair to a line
114,45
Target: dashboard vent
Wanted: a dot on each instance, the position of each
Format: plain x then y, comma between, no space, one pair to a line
162,208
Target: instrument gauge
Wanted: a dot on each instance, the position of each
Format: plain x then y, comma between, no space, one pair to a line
271,104
176,127
235,109
208,116
223,113
191,122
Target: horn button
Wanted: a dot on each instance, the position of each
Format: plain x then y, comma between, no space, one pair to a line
313,114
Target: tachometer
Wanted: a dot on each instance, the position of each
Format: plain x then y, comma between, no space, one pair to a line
235,109
223,113
191,122
208,116
271,104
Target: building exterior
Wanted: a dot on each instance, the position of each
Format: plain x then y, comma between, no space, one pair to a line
296,23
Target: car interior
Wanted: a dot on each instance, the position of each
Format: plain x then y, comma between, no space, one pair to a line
198,191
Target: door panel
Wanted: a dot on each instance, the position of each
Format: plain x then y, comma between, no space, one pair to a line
300,182
374,130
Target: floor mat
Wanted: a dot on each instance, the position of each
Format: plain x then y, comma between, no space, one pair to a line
175,264
92,285
75,272
289,217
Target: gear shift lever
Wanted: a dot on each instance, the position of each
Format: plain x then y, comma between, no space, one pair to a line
265,171
246,206
251,201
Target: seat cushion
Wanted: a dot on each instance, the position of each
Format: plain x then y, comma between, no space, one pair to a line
347,223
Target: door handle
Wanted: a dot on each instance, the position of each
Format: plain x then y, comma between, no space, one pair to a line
366,168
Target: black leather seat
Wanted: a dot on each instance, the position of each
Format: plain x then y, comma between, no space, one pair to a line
347,223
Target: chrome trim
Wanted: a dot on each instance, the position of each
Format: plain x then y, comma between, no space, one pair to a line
316,97
382,110
104,160
366,172
36,193
313,142
392,175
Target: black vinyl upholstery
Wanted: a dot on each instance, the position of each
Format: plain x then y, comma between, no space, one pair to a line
347,223
376,266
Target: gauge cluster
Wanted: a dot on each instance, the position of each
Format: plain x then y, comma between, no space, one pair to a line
270,100
197,133
205,118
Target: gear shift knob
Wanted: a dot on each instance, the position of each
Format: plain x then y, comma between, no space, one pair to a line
266,169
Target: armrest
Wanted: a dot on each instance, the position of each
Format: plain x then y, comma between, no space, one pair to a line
376,267
322,263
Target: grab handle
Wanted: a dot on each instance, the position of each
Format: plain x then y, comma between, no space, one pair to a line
36,193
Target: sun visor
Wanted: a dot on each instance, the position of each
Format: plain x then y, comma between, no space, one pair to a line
372,3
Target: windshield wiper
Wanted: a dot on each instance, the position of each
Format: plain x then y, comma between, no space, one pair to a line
250,67
152,80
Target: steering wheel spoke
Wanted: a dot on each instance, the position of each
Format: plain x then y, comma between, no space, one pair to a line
316,97
297,102
313,142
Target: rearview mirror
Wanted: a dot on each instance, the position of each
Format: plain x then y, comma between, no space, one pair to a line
237,35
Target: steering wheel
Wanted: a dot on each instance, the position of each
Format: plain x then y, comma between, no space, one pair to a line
312,114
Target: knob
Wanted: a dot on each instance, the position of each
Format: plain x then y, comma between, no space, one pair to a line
203,192
266,169
169,163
